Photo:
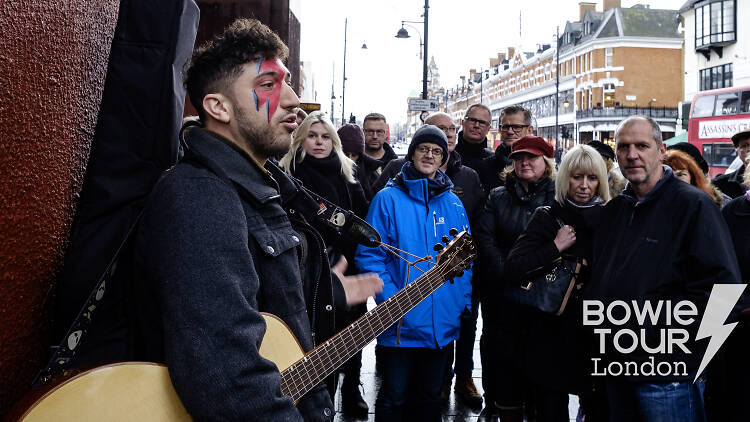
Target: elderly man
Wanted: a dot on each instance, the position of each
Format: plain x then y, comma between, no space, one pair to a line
732,183
660,243
515,123
472,140
413,212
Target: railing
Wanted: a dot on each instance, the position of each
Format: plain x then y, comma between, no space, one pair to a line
655,112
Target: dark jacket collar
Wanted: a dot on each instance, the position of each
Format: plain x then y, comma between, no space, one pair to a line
629,193
220,155
465,146
539,187
454,163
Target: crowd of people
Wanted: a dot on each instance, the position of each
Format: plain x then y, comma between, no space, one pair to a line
232,231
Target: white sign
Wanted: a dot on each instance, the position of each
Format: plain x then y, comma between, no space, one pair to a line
712,129
630,98
418,104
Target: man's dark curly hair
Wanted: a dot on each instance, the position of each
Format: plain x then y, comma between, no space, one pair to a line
215,65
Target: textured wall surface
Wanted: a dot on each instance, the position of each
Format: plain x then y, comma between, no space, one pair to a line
53,62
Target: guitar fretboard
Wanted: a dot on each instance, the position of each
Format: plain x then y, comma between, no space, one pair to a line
310,370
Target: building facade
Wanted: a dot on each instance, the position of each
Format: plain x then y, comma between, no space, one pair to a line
717,49
612,64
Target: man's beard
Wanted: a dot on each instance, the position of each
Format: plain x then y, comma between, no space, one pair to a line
261,139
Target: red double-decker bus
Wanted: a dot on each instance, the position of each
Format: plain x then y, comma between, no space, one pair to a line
715,116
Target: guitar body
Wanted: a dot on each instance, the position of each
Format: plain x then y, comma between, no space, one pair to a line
140,391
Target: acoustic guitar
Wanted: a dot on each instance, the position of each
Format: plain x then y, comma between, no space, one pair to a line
142,391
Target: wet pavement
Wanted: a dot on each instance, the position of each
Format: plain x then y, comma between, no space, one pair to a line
453,411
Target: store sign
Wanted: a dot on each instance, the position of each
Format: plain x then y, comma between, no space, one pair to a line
711,129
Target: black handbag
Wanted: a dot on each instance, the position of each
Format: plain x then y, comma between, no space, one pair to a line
549,289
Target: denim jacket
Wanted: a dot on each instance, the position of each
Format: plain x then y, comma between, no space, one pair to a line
210,255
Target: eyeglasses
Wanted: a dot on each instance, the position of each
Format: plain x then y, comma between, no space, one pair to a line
447,128
436,152
379,132
477,121
515,128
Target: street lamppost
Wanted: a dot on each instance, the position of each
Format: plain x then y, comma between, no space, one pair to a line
403,33
343,82
557,94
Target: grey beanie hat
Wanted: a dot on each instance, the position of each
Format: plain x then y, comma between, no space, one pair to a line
431,134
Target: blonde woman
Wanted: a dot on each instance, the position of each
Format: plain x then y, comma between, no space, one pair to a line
563,229
317,159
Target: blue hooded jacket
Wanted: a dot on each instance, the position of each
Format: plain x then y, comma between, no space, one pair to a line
410,217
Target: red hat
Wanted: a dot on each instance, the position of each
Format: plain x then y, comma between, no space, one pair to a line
533,145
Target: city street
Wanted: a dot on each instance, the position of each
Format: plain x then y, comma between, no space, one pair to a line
453,411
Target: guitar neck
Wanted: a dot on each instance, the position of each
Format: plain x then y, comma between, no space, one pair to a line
309,371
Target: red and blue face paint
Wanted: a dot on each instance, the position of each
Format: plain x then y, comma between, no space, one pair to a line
276,71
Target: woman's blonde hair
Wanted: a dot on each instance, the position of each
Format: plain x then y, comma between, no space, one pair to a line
587,160
288,162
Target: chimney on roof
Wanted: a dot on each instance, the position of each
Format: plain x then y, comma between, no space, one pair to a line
583,7
611,4
511,53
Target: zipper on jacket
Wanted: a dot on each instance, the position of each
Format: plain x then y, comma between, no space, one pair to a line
434,223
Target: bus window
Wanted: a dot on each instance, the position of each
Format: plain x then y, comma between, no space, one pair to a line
745,102
703,106
719,154
726,104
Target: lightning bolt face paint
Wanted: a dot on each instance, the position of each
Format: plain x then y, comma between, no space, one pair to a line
269,82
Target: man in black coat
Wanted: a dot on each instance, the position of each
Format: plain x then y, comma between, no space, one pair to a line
375,129
515,123
472,140
660,240
732,184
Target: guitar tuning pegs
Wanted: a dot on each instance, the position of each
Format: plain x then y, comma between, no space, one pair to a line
438,247
453,232
446,239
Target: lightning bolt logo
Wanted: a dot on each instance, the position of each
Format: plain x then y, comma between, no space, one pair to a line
720,303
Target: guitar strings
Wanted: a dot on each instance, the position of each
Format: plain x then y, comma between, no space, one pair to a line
333,357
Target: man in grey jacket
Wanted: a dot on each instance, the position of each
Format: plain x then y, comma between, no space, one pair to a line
215,245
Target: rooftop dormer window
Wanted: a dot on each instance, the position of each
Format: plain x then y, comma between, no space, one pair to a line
714,23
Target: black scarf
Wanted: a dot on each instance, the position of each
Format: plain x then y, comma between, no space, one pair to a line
435,185
323,176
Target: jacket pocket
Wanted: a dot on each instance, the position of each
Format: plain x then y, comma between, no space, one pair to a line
273,239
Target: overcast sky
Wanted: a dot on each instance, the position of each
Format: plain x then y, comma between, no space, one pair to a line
463,34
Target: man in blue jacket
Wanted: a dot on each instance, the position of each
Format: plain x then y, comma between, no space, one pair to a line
413,212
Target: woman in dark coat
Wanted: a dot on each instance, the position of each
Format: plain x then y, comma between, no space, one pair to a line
563,229
529,184
317,159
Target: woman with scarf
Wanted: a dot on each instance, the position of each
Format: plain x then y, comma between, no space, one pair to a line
317,159
563,229
529,184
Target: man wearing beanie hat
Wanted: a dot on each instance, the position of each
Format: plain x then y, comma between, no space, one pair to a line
413,212
353,144
429,134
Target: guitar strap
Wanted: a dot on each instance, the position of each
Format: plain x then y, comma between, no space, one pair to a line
61,354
